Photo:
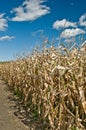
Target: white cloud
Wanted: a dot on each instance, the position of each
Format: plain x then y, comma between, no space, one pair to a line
3,23
63,24
69,40
82,20
6,38
30,10
67,33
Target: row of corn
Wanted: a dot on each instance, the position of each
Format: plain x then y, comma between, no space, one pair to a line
52,85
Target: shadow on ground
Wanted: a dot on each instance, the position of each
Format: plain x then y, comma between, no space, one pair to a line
21,112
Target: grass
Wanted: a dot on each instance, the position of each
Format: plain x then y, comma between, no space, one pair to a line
52,85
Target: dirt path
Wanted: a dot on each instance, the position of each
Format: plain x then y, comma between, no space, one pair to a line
8,120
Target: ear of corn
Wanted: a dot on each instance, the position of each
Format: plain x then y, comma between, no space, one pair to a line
52,85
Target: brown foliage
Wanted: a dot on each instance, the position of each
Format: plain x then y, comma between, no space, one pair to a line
52,85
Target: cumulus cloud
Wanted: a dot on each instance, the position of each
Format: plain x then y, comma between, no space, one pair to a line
63,24
69,40
3,23
30,10
6,38
67,33
82,20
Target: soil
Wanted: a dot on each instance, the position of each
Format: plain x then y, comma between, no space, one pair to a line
12,116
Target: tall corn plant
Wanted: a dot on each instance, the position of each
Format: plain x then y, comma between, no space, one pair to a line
52,85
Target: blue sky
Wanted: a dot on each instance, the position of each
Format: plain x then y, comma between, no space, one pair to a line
25,23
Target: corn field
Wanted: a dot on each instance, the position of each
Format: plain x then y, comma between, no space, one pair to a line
52,86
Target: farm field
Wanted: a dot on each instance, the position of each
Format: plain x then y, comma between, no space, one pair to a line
51,85
43,64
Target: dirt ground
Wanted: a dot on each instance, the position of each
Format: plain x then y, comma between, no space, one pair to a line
9,117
